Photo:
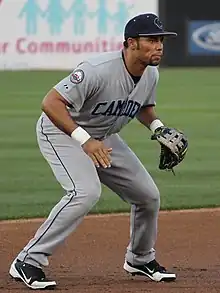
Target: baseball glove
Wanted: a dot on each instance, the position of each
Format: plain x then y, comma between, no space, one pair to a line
174,146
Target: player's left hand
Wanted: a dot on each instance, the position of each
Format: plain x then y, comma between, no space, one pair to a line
174,146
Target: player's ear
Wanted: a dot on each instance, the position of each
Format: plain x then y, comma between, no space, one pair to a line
132,43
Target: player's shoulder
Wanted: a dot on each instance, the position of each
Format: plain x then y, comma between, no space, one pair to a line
95,67
103,58
101,64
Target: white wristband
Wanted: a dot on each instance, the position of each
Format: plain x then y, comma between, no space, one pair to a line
155,124
80,135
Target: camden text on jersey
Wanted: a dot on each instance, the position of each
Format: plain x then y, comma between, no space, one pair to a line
117,108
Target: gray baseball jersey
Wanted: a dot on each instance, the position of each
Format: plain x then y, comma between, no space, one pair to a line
102,99
103,96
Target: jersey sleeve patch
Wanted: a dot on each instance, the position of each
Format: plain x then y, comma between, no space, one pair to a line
77,76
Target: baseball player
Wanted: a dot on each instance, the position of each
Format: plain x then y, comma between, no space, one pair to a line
78,136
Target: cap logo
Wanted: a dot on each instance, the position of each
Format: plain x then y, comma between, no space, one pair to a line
158,23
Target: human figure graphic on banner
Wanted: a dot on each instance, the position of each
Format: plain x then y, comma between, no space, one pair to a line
55,15
78,11
121,16
102,14
31,10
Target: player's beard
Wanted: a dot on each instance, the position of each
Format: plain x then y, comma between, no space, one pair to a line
155,63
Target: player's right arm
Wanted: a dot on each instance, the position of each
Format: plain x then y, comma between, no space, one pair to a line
55,106
72,91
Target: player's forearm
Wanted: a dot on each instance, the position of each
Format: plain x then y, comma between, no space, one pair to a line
148,117
55,109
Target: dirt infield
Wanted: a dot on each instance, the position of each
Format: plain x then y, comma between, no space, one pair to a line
91,259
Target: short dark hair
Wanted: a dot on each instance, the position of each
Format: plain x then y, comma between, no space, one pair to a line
125,44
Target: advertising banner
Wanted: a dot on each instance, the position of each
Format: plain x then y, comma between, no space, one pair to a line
57,34
198,26
204,37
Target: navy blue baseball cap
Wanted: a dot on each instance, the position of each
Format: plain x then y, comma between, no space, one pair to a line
144,25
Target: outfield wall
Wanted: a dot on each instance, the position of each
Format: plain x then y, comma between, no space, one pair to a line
198,26
57,34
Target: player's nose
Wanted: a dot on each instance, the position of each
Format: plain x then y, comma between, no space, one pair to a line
159,46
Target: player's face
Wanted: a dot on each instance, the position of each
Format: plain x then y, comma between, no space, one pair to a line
149,50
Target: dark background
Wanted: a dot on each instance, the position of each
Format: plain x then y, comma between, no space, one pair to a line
175,14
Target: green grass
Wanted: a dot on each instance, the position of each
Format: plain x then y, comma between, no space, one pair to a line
187,99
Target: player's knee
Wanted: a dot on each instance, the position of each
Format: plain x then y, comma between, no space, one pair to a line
92,193
154,201
95,191
151,198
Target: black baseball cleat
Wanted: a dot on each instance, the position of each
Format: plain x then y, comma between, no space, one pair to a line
153,270
32,276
